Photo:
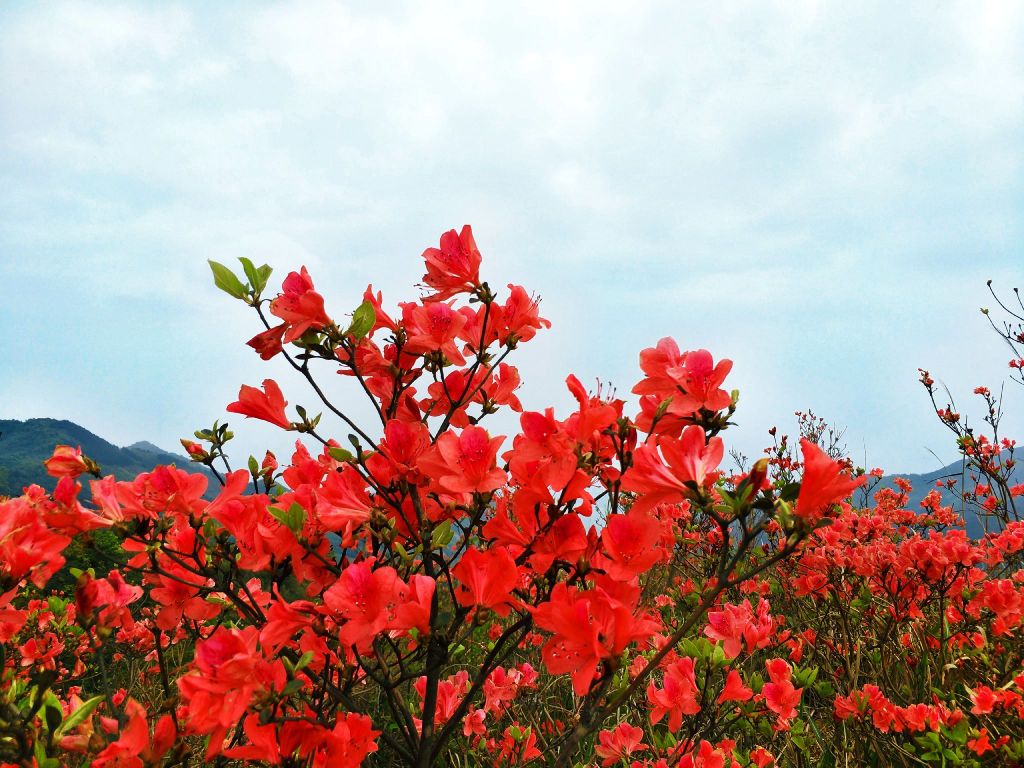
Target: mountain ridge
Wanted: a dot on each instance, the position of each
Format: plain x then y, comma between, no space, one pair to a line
25,445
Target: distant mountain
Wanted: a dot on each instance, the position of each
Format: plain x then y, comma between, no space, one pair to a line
146,447
25,445
923,483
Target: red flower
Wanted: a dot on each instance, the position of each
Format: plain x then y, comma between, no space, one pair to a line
518,319
779,695
690,380
113,595
433,327
734,689
449,693
487,579
485,388
268,343
350,741
502,686
381,318
824,483
735,623
660,472
518,747
705,756
66,462
414,612
368,599
454,267
178,598
703,380
299,306
372,600
980,745
630,544
588,627
267,405
677,696
400,450
134,748
27,546
227,673
342,502
984,700
619,744
465,463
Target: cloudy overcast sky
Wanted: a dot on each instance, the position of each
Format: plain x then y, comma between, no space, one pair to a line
817,191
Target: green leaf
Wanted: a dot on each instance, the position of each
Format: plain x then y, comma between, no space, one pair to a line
958,733
293,519
825,689
257,276
56,605
789,492
53,715
340,454
756,682
442,535
225,279
718,656
79,716
362,321
689,647
40,754
264,273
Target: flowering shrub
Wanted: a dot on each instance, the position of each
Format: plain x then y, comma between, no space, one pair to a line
596,589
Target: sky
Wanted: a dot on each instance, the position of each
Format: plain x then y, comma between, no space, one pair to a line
817,191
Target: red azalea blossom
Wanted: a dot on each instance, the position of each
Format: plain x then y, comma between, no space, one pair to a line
465,463
825,482
487,579
780,696
661,471
677,696
737,623
619,744
454,267
267,405
299,306
588,627
66,462
734,689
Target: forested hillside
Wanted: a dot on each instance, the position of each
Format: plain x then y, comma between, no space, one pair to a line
24,445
